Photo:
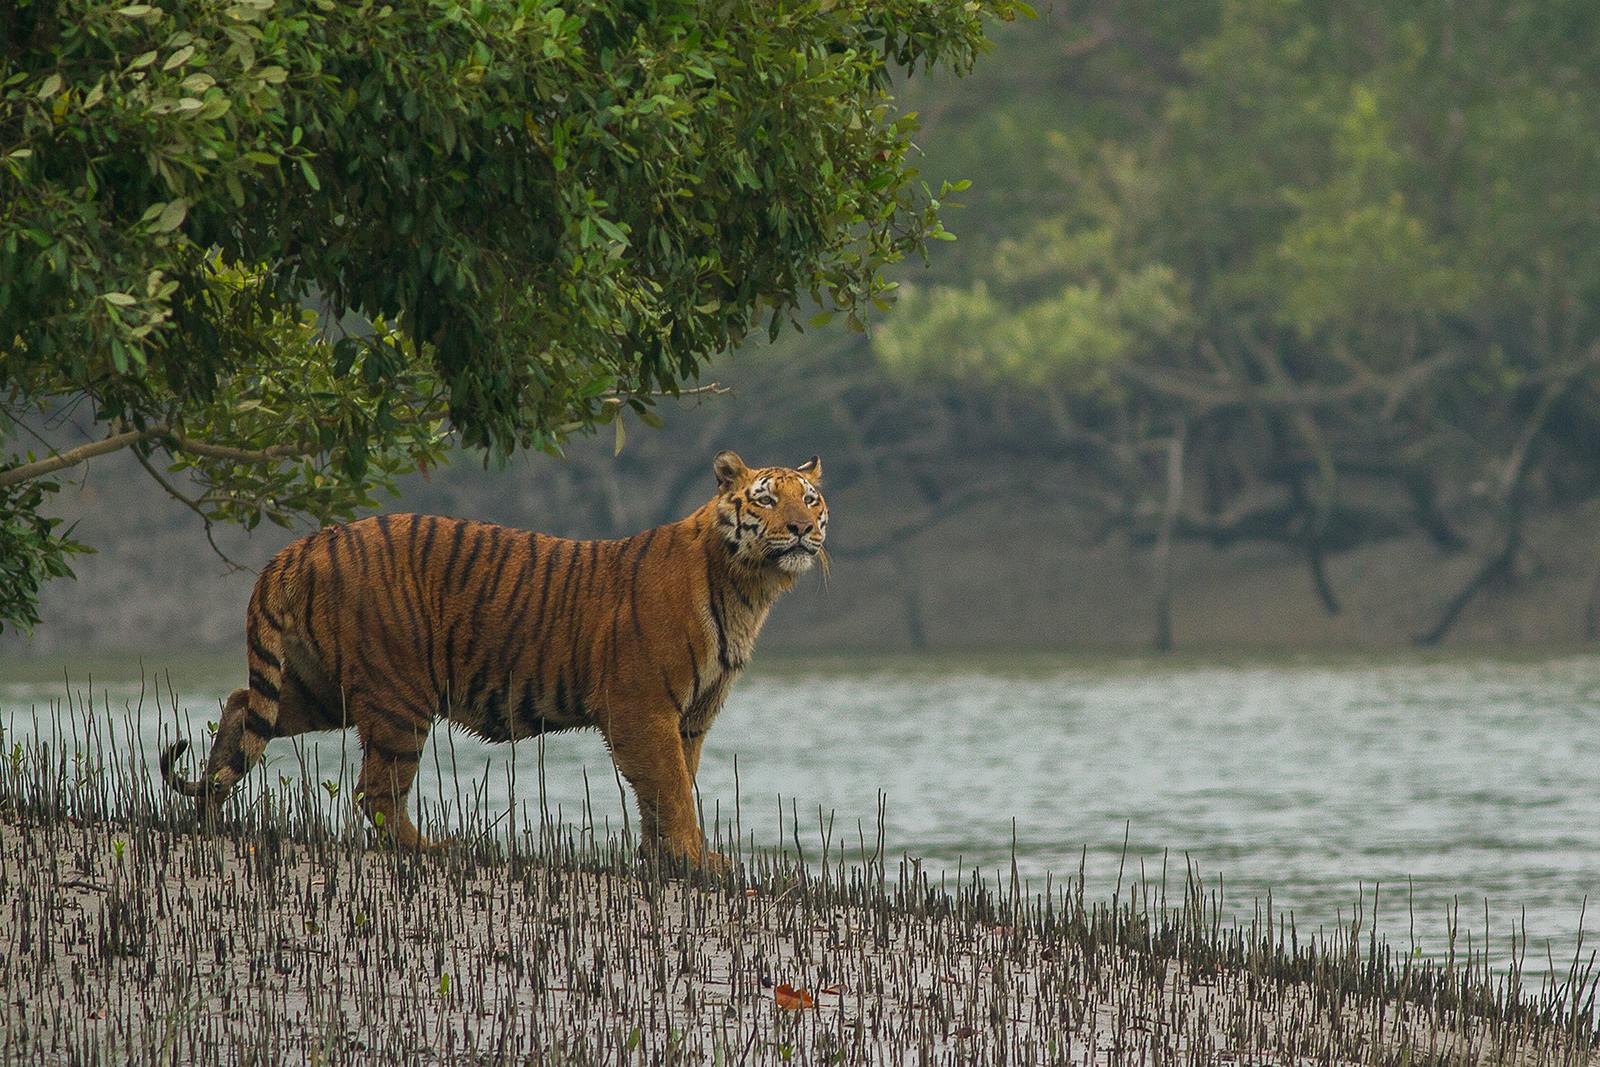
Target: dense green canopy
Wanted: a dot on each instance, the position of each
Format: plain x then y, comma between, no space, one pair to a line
1344,257
531,216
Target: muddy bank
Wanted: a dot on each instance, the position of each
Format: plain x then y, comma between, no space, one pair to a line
128,937
972,570
137,946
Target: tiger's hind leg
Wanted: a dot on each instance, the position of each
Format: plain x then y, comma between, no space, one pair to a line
391,752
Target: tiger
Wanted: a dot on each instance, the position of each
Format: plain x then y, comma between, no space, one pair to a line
394,623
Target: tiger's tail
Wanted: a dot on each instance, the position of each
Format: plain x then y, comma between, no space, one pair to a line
177,782
225,765
250,716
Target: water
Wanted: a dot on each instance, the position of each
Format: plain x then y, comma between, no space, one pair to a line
1450,783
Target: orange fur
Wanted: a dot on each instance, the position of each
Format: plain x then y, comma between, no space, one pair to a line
392,623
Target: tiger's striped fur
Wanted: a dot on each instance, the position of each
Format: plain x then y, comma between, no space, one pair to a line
392,623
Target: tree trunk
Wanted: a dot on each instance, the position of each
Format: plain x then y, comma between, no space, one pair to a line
1513,482
1163,549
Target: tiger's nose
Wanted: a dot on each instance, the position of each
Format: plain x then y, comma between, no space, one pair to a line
800,531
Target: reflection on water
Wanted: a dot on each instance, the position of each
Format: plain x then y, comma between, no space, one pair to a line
1443,781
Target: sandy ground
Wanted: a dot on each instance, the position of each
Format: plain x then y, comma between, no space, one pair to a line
146,945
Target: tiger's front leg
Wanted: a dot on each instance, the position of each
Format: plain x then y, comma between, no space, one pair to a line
650,754
392,748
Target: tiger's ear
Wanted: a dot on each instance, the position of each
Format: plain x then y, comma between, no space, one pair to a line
811,468
728,468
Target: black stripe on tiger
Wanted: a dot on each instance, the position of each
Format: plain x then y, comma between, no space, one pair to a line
672,694
426,551
262,654
384,531
259,684
573,612
561,698
475,689
528,717
494,726
302,692
455,551
633,585
257,724
308,629
465,573
714,602
393,755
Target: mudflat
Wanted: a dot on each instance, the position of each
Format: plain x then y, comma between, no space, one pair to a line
136,941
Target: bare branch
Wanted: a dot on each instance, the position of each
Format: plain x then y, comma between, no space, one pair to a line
709,389
1509,496
26,472
193,506
238,455
1211,395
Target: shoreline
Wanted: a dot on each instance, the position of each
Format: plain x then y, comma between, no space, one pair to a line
942,588
189,666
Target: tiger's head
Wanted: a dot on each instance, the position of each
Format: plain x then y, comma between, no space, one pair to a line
771,516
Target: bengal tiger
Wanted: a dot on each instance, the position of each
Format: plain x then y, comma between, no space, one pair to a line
393,623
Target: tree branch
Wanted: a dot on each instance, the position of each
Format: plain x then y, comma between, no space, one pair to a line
237,455
193,506
71,458
1509,495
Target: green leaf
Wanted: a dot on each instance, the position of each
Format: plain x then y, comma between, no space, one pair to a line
171,216
178,58
610,229
453,141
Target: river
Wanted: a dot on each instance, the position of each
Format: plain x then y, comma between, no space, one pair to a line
1455,784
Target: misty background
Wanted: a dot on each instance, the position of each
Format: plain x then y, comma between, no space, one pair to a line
1267,328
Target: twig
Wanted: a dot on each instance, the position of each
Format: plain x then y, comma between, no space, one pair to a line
238,455
193,506
709,389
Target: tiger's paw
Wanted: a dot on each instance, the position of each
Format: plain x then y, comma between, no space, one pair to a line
694,858
715,863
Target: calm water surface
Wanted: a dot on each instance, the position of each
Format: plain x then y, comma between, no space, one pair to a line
1443,781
